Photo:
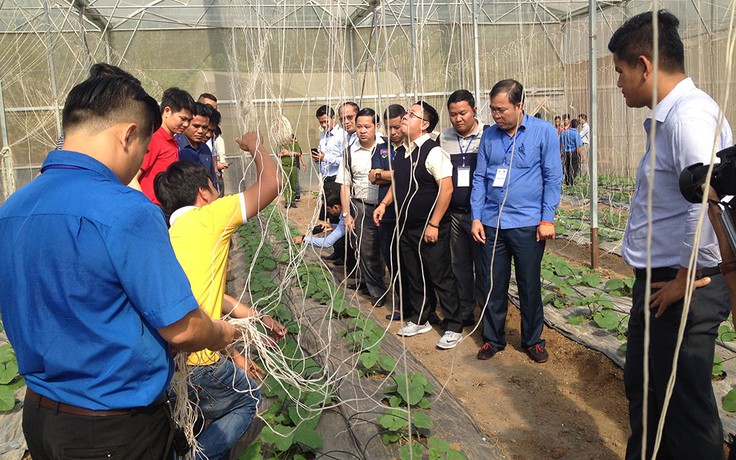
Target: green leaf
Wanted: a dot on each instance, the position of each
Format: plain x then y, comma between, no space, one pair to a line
606,319
729,401
281,437
369,359
438,443
412,394
425,403
411,451
392,420
614,284
7,398
394,401
389,438
455,455
576,320
308,437
252,452
717,366
387,362
421,420
591,280
8,371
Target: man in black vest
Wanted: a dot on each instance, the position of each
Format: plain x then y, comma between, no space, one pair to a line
423,189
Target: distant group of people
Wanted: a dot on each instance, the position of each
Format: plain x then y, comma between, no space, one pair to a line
574,143
96,294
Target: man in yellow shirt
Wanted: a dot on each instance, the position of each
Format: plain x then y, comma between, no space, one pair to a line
201,226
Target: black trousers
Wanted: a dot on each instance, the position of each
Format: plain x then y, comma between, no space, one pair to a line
416,256
572,167
692,426
143,434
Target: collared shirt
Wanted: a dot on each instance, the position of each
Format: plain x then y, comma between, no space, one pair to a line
585,133
162,151
88,276
463,151
533,182
438,161
570,140
338,231
383,158
201,241
201,155
331,144
354,173
686,119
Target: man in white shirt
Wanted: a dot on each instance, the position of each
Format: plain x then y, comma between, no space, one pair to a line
359,198
331,142
686,124
585,137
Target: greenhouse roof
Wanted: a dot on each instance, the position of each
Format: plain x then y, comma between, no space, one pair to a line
107,15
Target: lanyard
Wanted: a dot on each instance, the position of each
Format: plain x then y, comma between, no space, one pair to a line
460,146
513,141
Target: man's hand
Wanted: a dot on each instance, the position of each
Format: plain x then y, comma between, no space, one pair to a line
672,291
545,231
284,153
431,234
478,232
227,333
317,155
249,141
378,214
372,175
299,239
278,330
349,223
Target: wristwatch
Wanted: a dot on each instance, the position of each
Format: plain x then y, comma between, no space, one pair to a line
345,214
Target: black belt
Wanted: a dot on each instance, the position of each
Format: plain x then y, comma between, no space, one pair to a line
460,210
668,274
50,404
363,201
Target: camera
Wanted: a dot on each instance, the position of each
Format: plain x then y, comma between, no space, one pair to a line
723,181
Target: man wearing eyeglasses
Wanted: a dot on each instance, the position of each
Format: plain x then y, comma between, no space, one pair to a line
423,189
516,190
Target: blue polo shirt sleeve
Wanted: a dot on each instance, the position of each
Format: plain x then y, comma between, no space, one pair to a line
551,174
477,193
141,253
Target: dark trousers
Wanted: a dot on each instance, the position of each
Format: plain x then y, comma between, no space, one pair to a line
692,427
521,245
572,167
416,256
465,255
143,434
366,242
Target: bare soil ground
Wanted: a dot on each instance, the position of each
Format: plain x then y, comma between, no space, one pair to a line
572,407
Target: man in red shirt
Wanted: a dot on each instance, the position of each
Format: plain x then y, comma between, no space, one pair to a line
177,107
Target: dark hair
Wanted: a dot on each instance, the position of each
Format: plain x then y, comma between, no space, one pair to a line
216,116
351,104
218,132
366,112
209,96
430,115
512,88
574,123
203,110
325,110
461,95
583,116
557,117
177,100
101,69
566,116
393,111
100,102
179,185
538,115
636,38
332,194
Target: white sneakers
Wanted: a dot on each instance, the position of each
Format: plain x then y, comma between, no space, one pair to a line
449,340
412,329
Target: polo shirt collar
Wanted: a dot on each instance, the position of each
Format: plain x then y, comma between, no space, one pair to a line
417,143
478,129
665,105
67,159
180,212
357,146
184,142
165,134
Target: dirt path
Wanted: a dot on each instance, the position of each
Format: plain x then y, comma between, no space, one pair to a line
572,407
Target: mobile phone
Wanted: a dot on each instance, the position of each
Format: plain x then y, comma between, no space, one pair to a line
317,229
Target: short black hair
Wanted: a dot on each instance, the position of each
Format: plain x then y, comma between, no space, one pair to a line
203,110
512,88
325,110
332,194
557,117
461,95
179,185
101,69
574,123
393,111
366,112
351,104
100,102
207,96
636,38
566,116
430,115
216,116
177,100
583,116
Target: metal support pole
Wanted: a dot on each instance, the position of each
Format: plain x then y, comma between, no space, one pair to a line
3,121
593,123
6,155
476,52
52,69
413,47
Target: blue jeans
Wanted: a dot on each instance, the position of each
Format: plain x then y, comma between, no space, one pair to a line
520,244
228,399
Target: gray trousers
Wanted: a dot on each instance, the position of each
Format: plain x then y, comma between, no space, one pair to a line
366,243
465,256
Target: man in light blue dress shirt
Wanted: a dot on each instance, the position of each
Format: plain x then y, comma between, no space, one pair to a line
516,189
687,122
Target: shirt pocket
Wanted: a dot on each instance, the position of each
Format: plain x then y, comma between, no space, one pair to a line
527,154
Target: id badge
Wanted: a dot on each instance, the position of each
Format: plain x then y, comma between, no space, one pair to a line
500,177
463,176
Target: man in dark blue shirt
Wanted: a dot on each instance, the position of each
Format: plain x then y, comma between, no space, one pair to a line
193,142
91,293
572,146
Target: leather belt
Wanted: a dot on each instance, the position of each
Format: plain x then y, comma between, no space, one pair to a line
50,404
667,273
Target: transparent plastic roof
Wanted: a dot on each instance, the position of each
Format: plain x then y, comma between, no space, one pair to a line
59,15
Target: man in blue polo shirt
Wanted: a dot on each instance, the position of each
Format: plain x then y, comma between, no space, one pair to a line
193,142
516,190
572,146
91,293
